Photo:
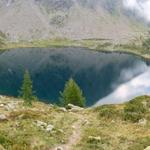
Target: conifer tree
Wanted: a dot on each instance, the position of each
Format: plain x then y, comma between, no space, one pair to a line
72,94
26,89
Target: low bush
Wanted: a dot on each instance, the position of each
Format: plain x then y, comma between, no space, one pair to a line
140,143
107,111
134,110
4,141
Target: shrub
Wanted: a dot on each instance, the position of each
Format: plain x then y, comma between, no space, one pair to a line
146,44
134,110
107,111
4,141
140,143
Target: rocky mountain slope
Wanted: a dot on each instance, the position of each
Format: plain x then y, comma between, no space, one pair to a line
49,127
71,19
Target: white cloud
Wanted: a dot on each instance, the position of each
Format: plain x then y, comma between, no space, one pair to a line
142,7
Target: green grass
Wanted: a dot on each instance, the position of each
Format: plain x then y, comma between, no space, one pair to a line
134,110
108,123
20,132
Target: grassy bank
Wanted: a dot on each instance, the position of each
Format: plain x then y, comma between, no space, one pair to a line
93,44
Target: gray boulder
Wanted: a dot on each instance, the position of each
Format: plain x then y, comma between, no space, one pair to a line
41,124
74,108
2,105
59,148
62,109
44,126
147,148
49,128
142,122
10,106
3,117
93,138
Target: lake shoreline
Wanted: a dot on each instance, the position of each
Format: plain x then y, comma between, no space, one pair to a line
95,45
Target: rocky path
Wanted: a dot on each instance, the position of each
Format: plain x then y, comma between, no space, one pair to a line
76,135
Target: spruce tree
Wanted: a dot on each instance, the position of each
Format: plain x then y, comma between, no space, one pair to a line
72,94
26,89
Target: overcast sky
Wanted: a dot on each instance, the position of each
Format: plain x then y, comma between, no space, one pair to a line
141,6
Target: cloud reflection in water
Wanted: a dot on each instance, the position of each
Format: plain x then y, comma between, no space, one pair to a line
139,85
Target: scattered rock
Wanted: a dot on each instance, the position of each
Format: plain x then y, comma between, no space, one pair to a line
2,105
2,148
92,138
147,148
17,124
74,108
85,122
2,97
3,117
70,106
113,121
73,127
49,128
60,130
62,109
59,148
41,124
51,105
44,126
21,116
10,106
142,122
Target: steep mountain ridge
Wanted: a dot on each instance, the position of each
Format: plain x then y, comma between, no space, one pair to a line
71,19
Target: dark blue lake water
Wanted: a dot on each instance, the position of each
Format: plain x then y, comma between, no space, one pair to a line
98,74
